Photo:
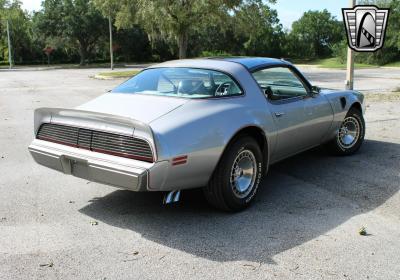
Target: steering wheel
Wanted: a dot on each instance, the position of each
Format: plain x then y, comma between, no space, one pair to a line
223,89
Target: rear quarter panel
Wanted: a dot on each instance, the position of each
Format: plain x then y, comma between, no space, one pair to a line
201,129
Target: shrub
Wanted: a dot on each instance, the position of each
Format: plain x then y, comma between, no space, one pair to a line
214,54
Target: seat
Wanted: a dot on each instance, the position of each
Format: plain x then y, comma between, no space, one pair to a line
188,86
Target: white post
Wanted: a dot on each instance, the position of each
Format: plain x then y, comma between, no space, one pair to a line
111,47
9,45
350,61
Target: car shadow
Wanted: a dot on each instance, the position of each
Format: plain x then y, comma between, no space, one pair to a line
301,199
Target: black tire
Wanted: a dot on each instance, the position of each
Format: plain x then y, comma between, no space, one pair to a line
223,194
337,146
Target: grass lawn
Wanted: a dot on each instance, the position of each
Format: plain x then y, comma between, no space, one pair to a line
388,97
334,63
393,64
118,74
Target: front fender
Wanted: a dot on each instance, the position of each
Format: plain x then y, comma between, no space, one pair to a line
341,102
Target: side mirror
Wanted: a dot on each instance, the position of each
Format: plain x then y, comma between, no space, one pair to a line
269,93
315,90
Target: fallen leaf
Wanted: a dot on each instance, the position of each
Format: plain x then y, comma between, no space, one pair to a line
251,266
50,264
362,231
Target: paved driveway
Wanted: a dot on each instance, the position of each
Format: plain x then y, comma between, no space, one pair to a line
366,80
303,225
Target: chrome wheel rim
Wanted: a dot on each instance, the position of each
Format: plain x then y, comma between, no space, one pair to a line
243,173
349,133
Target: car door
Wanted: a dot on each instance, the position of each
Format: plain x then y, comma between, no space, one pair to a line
301,118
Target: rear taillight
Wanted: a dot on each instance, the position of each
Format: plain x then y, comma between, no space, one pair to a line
97,141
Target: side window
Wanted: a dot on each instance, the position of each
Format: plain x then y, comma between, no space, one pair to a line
279,83
224,85
197,83
165,85
181,82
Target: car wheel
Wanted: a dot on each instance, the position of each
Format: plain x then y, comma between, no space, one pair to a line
236,178
350,135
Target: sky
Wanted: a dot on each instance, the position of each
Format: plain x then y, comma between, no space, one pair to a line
288,10
291,10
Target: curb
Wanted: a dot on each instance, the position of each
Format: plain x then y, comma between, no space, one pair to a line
101,77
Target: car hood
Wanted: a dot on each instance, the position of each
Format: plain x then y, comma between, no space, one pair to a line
144,108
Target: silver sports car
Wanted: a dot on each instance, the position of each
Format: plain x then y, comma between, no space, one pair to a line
216,123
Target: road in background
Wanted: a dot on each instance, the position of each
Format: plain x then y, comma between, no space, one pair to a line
366,80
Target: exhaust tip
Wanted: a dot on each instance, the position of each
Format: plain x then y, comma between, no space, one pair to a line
172,197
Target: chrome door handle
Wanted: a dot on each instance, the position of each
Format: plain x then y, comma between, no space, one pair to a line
279,114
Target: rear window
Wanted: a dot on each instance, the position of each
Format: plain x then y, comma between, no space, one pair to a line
181,82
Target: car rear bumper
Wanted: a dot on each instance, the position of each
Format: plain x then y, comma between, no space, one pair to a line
111,170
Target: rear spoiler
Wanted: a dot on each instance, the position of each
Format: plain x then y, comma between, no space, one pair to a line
93,120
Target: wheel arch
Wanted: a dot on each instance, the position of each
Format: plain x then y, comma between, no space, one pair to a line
257,134
356,105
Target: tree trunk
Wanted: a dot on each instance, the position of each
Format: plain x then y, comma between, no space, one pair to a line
82,53
183,39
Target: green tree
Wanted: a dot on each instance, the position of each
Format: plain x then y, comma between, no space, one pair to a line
172,20
258,27
391,49
20,26
213,39
314,33
131,44
77,21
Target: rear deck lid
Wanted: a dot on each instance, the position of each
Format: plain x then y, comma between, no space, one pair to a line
144,108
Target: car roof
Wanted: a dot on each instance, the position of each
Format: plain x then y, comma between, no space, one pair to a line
252,63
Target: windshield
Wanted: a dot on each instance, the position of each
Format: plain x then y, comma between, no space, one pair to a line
180,82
